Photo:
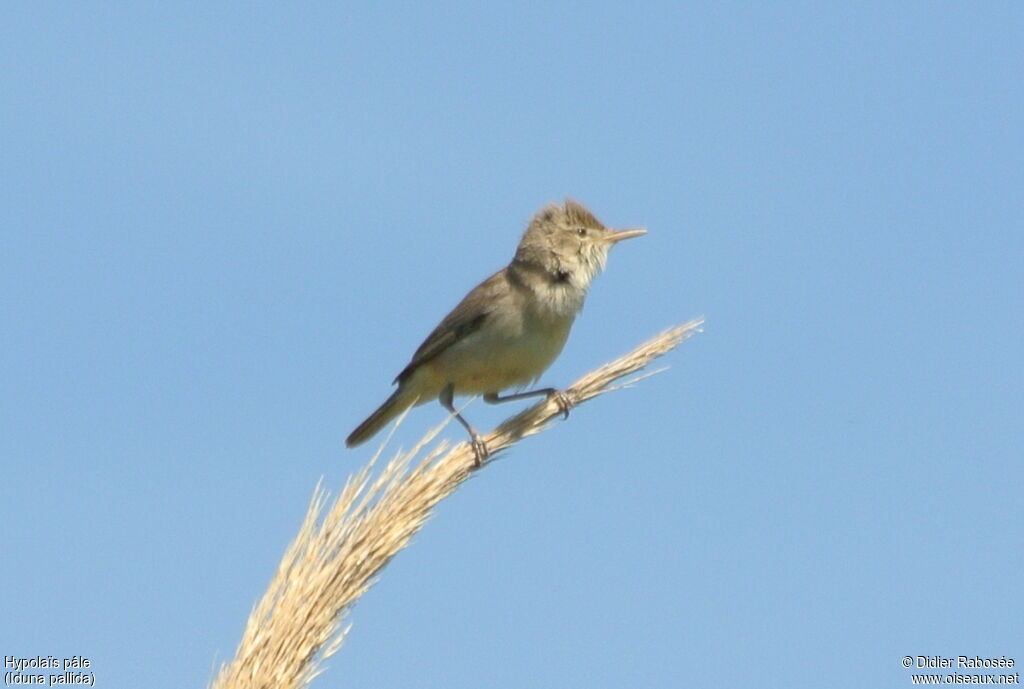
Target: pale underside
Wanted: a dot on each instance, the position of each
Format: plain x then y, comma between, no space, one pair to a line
481,363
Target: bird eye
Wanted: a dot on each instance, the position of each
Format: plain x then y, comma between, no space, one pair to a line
582,232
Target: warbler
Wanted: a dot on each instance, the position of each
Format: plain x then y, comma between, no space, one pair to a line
510,328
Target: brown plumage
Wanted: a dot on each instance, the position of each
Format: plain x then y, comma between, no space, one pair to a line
509,329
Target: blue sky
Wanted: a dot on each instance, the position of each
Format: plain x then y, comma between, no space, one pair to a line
227,226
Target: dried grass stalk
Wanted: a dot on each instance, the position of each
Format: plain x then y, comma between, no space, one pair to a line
337,554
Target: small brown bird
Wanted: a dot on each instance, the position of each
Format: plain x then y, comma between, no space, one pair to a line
509,328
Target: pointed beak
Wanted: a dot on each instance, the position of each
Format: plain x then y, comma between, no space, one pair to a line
618,235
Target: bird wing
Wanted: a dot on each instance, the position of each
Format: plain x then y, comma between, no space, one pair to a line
466,318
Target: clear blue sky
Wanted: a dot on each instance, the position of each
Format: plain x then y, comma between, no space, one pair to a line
225,228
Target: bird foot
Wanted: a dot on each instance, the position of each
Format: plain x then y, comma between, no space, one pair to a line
480,451
563,402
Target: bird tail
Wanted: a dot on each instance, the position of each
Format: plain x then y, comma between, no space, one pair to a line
400,400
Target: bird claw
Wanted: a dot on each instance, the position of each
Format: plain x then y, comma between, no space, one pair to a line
480,451
563,402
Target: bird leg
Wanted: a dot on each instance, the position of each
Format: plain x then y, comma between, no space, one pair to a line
480,451
560,398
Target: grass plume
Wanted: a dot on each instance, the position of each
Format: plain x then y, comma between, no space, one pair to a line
341,548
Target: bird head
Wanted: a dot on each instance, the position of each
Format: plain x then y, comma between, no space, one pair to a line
568,243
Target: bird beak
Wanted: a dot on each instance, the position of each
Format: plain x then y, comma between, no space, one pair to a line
618,235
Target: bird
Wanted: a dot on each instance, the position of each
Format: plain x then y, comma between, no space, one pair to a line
511,327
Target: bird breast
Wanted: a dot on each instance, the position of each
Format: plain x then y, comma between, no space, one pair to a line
513,348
